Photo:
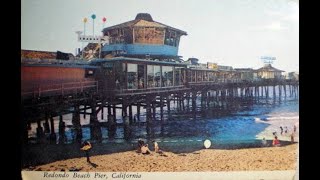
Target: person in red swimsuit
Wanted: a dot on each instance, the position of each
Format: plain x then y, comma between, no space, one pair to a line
275,141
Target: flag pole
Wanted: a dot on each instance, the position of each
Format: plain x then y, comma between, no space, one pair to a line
84,34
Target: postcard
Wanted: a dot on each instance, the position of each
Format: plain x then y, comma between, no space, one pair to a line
176,89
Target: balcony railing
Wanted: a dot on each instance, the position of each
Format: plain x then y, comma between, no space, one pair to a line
59,89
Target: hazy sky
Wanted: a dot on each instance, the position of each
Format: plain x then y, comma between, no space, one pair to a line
228,32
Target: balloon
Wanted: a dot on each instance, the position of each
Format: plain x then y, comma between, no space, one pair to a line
93,16
207,143
85,20
104,19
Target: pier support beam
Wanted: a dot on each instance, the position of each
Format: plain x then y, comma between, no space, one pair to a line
124,107
95,129
126,128
168,107
194,104
46,124
40,133
138,112
266,91
109,111
85,111
188,101
290,90
112,126
62,126
161,109
182,101
148,110
102,109
154,110
149,115
280,92
202,100
53,136
130,114
76,124
114,111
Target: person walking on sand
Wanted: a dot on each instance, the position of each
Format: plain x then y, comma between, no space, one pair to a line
156,147
86,146
281,129
276,142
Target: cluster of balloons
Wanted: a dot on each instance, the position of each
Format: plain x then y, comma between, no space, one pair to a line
93,16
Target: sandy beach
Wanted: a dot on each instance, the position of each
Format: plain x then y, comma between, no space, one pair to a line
268,158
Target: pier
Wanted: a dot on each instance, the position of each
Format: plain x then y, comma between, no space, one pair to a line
43,106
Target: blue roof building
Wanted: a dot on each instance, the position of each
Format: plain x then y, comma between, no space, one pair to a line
142,38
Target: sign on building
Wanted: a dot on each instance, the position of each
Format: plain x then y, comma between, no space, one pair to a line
93,39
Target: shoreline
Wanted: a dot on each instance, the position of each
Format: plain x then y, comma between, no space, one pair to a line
257,159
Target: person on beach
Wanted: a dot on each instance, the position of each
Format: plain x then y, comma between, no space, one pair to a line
156,147
294,128
264,142
281,129
286,130
276,142
274,133
86,146
145,149
140,145
292,137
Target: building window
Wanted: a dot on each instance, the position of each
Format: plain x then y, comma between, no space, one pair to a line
141,83
211,76
193,76
171,38
132,76
178,77
167,76
154,76
199,76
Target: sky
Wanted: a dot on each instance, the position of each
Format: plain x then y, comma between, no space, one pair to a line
228,32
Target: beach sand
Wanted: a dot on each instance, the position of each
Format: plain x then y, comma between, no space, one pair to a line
268,158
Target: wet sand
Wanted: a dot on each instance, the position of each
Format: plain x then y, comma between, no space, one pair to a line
268,158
